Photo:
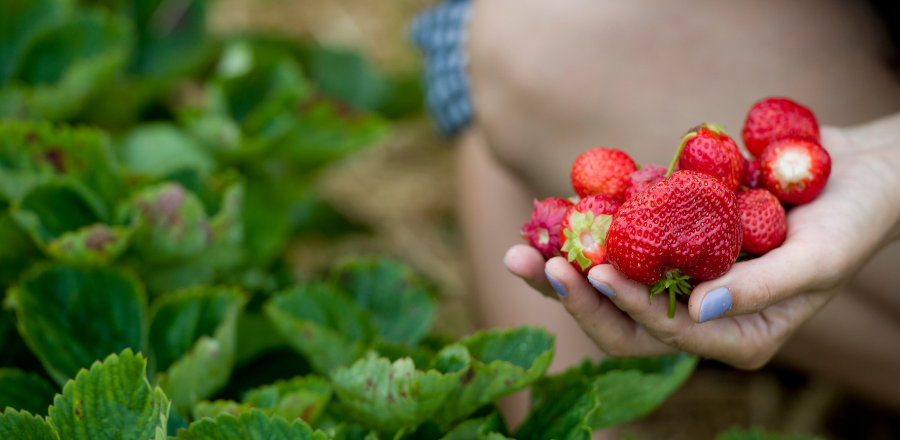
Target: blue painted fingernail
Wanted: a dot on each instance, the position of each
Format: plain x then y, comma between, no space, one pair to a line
559,287
602,288
715,303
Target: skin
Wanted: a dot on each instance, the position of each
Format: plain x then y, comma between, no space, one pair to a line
551,82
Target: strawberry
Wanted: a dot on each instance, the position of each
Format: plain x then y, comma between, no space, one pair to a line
750,174
762,219
583,231
795,170
772,119
602,171
707,149
685,227
542,232
644,178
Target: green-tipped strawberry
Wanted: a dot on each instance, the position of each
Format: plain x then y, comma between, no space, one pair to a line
583,231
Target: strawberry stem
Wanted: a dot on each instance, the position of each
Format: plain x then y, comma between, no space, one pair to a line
719,129
675,283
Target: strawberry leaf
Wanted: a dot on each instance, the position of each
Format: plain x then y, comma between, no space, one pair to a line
250,425
22,425
485,428
301,397
40,212
401,306
192,335
17,252
93,245
159,149
759,434
25,391
106,306
111,400
22,22
173,223
214,408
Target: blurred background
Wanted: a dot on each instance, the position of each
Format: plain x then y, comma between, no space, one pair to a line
394,198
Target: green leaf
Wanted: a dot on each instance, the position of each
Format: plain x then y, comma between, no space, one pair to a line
94,245
193,337
320,323
111,401
171,38
392,397
348,76
420,354
17,251
402,307
58,206
174,224
42,149
25,391
486,428
252,425
502,362
214,408
68,62
22,425
106,306
303,397
159,149
759,434
20,22
256,335
266,222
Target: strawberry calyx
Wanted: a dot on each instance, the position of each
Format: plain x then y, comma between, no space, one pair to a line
675,283
586,238
692,133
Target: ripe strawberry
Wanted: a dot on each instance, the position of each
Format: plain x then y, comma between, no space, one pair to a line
542,232
644,178
772,119
762,219
750,174
602,171
707,149
583,231
795,170
687,226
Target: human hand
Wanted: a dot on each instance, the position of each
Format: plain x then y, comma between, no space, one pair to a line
745,316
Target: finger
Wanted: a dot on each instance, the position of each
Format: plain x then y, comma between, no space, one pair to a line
611,329
527,263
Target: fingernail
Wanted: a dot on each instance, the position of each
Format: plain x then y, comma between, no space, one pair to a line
559,287
602,288
715,303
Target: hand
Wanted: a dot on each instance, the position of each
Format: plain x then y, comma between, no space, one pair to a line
745,316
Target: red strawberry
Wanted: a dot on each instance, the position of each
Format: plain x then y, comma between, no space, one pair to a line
602,171
750,174
763,221
644,178
583,231
795,170
542,232
772,119
707,149
687,226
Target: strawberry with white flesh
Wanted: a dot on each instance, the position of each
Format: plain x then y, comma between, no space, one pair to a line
583,231
542,232
795,170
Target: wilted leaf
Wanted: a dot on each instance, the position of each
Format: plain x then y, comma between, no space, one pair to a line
401,305
22,425
25,391
193,336
105,305
251,425
320,323
303,397
112,400
389,396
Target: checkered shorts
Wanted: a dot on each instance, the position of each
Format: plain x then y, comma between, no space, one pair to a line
440,33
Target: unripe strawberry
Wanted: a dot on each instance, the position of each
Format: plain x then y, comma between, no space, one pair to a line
649,175
542,232
794,170
773,119
583,231
707,149
602,171
763,221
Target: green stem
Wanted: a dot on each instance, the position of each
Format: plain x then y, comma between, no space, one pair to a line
691,134
676,283
671,304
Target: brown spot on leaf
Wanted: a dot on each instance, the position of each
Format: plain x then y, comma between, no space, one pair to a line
307,334
391,398
466,378
98,237
369,383
55,157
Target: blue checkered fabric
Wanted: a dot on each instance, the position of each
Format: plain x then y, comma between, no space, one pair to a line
440,33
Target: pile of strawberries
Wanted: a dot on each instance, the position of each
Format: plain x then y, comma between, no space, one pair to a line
671,228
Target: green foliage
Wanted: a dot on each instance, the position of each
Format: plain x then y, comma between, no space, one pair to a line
25,391
21,424
759,434
300,397
251,425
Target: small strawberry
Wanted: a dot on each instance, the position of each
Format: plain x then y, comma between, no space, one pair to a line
763,221
750,174
772,119
602,171
583,231
687,226
707,149
644,178
795,170
542,232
